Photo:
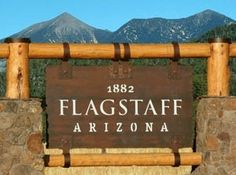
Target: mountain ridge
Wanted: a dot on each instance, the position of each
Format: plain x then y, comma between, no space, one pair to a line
62,28
67,28
167,30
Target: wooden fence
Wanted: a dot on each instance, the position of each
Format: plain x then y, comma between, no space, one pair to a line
19,51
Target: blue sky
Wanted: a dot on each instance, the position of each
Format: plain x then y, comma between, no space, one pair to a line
16,15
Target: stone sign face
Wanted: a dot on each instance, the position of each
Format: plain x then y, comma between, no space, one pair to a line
119,106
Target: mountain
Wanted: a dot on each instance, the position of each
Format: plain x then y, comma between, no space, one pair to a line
64,28
168,30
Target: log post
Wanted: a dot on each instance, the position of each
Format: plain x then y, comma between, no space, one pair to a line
218,73
17,73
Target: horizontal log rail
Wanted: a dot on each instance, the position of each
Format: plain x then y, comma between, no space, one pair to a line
111,51
107,51
148,159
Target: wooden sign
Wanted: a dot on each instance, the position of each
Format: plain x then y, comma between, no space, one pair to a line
119,106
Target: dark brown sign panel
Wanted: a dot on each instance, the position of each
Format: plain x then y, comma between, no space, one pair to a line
119,106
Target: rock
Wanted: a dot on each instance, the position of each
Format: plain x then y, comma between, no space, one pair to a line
234,172
27,157
223,136
23,121
20,169
3,173
222,171
6,121
12,106
35,107
36,118
213,126
15,150
18,136
6,162
34,143
230,104
212,143
2,108
2,137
